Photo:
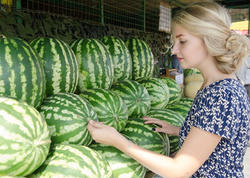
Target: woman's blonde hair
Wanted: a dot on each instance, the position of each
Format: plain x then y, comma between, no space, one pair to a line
211,22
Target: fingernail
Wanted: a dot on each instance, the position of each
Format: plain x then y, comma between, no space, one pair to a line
153,129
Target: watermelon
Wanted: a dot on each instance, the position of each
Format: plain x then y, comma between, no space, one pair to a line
175,91
172,118
95,64
121,58
110,107
143,135
60,65
157,90
24,138
186,100
134,95
142,58
181,108
122,165
67,116
68,160
21,73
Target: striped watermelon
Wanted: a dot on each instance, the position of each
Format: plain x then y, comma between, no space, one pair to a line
158,92
175,92
60,65
172,118
67,116
187,100
143,135
142,58
24,139
21,73
122,165
73,161
110,107
181,108
121,58
134,95
95,64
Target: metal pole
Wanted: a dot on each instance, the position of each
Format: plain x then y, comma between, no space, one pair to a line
101,12
144,15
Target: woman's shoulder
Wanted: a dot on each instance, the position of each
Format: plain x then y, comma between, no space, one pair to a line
228,86
226,90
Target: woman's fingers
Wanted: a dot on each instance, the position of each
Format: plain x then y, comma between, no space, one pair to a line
94,124
154,121
159,129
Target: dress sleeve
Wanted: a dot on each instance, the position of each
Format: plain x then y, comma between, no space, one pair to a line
217,114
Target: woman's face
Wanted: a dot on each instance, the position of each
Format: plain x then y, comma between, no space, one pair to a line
189,49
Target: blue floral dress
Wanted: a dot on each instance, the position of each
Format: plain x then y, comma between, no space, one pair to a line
222,108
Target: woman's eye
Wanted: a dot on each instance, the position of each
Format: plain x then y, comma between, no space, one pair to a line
182,42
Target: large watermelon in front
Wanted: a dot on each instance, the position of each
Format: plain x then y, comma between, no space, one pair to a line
121,57
24,138
67,116
122,165
142,58
175,91
172,118
73,161
21,73
60,65
143,135
157,90
134,95
95,64
110,107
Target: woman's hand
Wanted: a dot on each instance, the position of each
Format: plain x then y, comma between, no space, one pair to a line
165,127
104,134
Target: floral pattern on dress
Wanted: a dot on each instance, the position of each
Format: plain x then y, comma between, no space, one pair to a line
222,108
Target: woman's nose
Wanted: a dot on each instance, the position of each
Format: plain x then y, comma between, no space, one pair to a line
174,49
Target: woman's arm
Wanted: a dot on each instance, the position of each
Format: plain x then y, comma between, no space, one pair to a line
196,149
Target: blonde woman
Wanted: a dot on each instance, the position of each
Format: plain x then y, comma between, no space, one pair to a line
215,134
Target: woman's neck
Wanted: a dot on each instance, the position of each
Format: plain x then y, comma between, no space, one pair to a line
211,74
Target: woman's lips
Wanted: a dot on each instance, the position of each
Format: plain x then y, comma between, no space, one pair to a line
179,59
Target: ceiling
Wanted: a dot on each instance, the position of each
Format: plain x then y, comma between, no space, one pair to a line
227,3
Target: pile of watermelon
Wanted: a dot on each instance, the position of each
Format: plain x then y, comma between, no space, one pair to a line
50,90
